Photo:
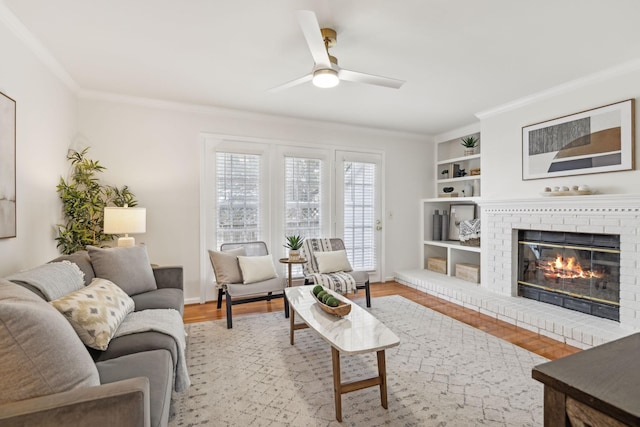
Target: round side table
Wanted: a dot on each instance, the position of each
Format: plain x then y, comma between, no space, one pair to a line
289,264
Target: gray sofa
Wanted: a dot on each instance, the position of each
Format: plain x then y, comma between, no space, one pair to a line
50,378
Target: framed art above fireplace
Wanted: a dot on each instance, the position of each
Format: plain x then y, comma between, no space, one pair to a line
593,141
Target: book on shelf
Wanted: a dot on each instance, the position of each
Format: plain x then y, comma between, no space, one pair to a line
448,195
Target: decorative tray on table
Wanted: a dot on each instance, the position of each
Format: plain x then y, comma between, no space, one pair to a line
342,309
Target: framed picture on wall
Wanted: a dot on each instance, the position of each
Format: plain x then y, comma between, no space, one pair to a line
593,141
7,167
457,214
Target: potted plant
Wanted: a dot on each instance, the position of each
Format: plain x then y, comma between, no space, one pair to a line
445,174
83,201
469,143
294,244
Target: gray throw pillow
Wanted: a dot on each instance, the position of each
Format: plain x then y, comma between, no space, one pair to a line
225,265
40,352
128,268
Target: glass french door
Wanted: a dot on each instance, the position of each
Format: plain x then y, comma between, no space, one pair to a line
359,209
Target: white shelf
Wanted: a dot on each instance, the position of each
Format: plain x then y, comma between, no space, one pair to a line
453,245
458,159
460,178
452,199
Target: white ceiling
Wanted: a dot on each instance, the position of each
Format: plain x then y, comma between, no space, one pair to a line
458,57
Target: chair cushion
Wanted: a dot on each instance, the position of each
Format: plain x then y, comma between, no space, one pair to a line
225,265
276,284
256,268
96,311
40,352
127,267
332,261
157,366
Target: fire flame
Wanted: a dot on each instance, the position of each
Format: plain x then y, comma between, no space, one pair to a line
569,269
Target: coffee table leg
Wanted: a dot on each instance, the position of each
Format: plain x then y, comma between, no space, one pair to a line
337,385
292,318
382,373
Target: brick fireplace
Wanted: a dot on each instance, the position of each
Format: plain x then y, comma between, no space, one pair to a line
597,214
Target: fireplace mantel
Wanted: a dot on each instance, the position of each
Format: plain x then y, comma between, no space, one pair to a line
564,203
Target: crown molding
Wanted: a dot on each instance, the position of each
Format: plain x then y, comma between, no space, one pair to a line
458,132
242,114
573,85
14,25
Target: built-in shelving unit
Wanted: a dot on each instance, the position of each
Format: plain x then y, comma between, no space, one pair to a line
449,153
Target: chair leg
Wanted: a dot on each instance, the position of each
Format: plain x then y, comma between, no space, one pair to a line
367,291
220,298
229,304
286,307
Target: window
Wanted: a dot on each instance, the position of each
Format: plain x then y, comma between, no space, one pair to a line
238,197
360,213
303,197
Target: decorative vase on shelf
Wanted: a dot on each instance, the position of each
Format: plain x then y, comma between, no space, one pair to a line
469,151
445,226
437,226
467,190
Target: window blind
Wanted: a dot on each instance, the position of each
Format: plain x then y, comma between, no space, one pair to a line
238,206
359,214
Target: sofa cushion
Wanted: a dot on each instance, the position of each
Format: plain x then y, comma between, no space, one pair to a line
225,265
256,268
52,280
128,267
40,352
137,343
332,261
157,366
96,311
160,298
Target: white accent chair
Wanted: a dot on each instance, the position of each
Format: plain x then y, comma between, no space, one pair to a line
241,293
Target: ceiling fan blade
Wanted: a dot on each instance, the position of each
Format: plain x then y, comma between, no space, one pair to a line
292,83
355,76
311,30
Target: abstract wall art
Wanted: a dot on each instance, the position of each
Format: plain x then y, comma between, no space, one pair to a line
593,141
7,167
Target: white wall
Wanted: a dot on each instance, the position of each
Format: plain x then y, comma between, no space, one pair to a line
502,136
154,148
46,111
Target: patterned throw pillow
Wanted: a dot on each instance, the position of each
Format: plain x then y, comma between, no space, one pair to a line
96,311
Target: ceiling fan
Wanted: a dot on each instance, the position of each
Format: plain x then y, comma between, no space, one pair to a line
326,73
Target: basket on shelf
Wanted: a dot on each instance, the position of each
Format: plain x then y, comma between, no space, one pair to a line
341,310
470,232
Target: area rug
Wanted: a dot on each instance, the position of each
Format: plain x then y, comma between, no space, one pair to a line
443,373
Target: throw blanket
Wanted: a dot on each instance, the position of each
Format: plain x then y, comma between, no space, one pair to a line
339,281
167,321
54,280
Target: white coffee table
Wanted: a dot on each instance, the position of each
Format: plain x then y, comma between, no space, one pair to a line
357,332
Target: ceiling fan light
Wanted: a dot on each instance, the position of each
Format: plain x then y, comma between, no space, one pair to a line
325,78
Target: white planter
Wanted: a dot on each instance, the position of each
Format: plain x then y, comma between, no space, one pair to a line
294,255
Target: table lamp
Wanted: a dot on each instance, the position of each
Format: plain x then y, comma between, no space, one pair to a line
125,220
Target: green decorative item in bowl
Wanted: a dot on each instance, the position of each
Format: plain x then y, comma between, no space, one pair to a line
329,303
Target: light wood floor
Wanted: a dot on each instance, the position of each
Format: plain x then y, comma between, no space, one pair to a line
531,341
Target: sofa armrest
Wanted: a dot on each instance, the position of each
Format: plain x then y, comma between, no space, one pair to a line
122,403
168,277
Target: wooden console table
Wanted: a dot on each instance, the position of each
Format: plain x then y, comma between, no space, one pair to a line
595,387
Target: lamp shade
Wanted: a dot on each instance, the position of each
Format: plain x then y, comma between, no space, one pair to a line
125,220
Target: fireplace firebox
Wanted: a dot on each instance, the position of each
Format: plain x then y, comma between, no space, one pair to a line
578,271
